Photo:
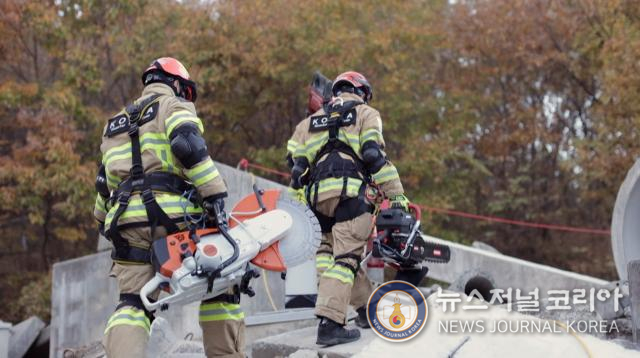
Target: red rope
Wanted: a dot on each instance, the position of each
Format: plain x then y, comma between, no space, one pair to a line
244,164
516,222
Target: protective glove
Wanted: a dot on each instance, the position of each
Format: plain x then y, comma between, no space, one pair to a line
401,202
298,195
214,205
300,173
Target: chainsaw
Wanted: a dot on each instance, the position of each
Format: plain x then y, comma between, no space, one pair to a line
265,230
399,241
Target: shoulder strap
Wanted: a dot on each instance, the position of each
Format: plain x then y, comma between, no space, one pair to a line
134,111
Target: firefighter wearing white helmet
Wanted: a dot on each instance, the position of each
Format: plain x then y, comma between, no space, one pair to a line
153,152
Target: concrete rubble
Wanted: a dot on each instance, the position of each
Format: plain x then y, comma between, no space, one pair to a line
23,335
5,336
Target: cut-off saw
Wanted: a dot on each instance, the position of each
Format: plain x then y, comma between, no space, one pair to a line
265,230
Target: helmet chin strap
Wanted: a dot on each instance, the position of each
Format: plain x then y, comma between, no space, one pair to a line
354,90
159,77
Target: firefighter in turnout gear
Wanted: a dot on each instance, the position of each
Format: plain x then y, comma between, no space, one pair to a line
155,164
337,155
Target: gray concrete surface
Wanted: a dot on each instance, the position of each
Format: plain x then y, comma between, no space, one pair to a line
5,336
288,343
23,335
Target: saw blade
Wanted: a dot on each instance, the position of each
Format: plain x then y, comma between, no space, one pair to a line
303,240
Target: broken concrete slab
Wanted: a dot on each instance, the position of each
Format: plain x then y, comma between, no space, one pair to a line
40,348
5,337
23,335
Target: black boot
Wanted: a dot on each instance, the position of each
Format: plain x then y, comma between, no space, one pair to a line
412,275
331,333
361,319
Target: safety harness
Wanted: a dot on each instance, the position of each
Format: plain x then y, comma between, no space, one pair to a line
335,166
137,115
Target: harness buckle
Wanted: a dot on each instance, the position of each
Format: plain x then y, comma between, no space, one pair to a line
124,197
147,196
133,127
137,175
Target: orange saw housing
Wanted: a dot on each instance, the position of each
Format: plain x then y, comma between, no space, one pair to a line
169,252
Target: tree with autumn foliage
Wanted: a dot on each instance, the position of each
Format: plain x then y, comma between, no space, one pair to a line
519,109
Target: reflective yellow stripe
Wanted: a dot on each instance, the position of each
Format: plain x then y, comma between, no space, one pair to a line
100,204
352,139
291,146
170,204
220,311
148,141
311,147
339,273
112,181
180,117
129,317
325,185
371,134
155,142
324,261
387,173
202,173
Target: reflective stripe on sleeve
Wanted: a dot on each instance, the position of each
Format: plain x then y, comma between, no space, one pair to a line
202,173
371,134
387,173
291,146
180,117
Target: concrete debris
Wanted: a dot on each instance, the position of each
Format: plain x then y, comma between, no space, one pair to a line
92,350
187,349
304,353
5,336
23,335
40,348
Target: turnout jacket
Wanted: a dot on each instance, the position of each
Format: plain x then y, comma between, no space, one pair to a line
305,143
169,113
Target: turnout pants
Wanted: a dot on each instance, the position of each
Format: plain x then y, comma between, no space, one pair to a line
338,285
127,330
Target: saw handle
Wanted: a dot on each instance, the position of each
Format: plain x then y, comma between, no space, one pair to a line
149,288
259,193
415,210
